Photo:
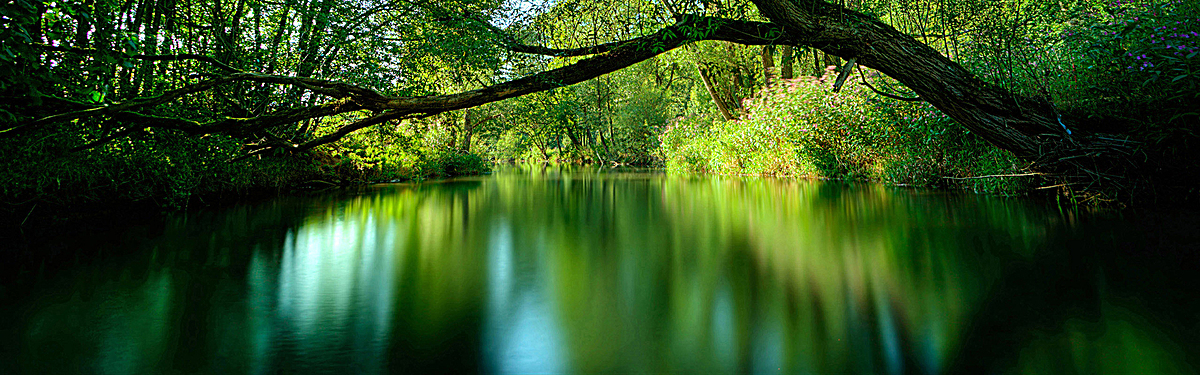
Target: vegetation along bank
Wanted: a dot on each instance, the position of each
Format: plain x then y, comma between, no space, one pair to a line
164,100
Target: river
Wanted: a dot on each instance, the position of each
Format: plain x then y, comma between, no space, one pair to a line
570,270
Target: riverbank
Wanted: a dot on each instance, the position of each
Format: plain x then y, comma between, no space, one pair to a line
63,191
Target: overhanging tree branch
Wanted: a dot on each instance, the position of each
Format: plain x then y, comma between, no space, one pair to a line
1026,126
614,56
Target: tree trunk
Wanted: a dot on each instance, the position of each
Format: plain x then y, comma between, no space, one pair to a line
712,93
831,60
785,63
817,69
768,62
467,128
1029,127
312,41
273,58
145,70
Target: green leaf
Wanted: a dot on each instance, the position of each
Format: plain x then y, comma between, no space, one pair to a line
1179,78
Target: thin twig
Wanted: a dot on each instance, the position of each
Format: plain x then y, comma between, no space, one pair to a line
863,78
994,175
28,214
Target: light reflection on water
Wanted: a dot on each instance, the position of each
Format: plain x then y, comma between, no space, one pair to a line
584,270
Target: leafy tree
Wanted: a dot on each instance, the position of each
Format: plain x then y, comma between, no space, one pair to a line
288,77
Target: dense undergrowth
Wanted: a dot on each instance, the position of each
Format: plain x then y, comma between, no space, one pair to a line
800,127
174,171
1126,67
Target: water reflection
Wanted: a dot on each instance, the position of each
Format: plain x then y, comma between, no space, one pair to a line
586,270
522,333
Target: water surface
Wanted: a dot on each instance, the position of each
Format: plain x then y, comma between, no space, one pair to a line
597,270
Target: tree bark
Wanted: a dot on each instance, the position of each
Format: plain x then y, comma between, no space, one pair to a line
786,62
709,85
768,62
1029,127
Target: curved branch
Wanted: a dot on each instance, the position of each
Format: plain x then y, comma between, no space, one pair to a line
863,77
512,44
355,126
615,56
565,52
1009,121
618,55
130,106
742,32
359,95
625,53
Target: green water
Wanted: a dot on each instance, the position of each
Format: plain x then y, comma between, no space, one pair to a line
596,270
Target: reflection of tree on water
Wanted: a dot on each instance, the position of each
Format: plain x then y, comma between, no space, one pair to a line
862,292
579,270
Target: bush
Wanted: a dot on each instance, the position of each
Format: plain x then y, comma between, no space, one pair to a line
800,127
1145,63
408,151
169,168
166,167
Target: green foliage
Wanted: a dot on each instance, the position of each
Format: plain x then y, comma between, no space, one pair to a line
166,167
170,168
1133,61
72,55
801,128
411,150
614,118
1142,61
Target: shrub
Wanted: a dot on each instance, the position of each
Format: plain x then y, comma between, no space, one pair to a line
800,127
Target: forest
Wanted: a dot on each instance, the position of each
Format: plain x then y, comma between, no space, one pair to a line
170,102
